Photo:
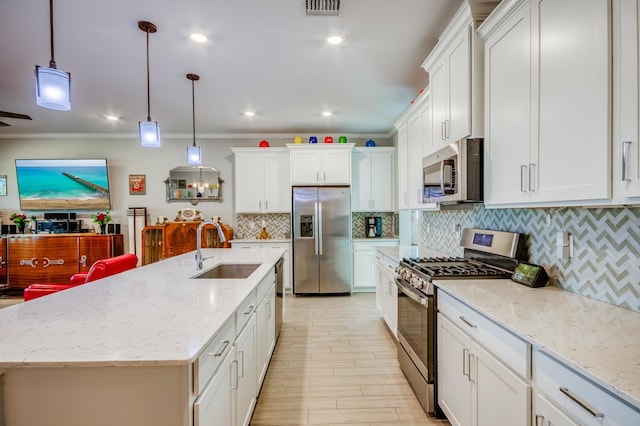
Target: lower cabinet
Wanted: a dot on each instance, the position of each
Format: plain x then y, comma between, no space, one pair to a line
266,335
245,348
475,386
386,291
364,263
214,405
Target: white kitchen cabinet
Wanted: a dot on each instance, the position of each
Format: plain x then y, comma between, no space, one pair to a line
373,180
547,138
262,180
214,406
575,397
387,291
320,164
482,369
245,350
266,334
626,101
284,245
455,70
414,165
364,263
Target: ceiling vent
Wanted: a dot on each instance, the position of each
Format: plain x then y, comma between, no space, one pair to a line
323,7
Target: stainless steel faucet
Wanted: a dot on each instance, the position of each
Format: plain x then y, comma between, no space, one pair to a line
199,258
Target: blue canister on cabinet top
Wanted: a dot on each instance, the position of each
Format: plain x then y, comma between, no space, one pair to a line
313,139
370,142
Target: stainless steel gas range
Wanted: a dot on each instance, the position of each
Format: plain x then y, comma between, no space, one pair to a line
487,254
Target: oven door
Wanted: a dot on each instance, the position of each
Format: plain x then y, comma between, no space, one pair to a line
416,328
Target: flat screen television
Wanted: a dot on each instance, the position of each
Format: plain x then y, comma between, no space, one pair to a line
64,184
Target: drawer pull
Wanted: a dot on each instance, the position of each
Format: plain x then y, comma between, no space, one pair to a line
234,363
580,402
539,418
465,363
223,345
466,321
249,310
48,262
473,374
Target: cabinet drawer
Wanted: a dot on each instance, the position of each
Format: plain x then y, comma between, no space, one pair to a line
244,311
265,285
212,355
509,348
579,397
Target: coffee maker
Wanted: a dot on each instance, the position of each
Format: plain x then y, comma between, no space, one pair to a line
373,226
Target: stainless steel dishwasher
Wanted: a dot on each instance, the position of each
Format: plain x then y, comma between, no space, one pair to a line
279,270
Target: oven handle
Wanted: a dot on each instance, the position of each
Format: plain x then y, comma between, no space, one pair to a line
412,296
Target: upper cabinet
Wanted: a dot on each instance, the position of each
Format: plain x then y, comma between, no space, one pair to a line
626,101
262,180
320,164
455,81
373,179
547,122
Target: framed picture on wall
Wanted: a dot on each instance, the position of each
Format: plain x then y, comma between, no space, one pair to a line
3,184
137,185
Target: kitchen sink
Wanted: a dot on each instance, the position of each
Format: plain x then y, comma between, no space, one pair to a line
229,271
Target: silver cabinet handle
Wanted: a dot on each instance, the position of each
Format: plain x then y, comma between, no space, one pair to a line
523,171
260,204
317,176
241,369
466,321
2,262
235,374
83,261
472,373
447,129
46,262
266,205
443,130
539,418
249,310
531,179
223,346
575,398
625,161
465,362
29,262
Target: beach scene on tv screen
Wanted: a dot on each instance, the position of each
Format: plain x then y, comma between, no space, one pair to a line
63,184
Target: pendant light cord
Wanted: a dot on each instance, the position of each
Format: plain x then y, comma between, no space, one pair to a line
52,62
193,110
148,84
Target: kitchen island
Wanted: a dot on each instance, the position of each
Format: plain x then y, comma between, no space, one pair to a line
124,349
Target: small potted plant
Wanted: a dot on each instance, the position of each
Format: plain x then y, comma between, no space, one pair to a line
20,220
102,219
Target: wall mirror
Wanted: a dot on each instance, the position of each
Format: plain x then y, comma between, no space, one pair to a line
194,184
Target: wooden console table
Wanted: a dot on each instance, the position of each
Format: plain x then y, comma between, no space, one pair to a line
52,258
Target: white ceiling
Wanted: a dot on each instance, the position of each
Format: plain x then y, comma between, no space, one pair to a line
261,55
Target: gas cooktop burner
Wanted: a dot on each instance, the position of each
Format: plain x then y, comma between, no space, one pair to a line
436,259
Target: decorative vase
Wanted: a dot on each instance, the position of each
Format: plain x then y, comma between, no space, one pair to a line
20,226
103,228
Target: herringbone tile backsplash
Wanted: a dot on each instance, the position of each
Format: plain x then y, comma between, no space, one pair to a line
606,260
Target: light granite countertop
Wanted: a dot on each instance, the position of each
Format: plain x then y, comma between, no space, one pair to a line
600,340
151,315
257,240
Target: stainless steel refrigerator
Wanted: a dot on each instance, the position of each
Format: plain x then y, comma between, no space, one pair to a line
321,240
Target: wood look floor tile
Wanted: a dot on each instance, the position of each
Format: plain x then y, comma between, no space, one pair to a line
336,364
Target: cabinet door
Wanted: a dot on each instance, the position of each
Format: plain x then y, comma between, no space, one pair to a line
3,262
454,386
336,167
382,181
179,238
265,336
152,239
508,110
246,359
391,303
403,170
501,398
427,134
363,268
214,406
547,414
381,287
415,160
305,167
41,260
277,187
91,249
362,182
438,81
459,61
250,182
572,161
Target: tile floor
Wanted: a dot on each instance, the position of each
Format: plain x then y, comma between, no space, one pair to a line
335,364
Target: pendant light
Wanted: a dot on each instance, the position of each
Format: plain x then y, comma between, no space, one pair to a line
149,130
53,87
194,154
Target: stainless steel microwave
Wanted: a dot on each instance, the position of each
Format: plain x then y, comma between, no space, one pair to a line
454,173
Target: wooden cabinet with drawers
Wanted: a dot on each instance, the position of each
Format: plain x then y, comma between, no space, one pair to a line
53,258
174,238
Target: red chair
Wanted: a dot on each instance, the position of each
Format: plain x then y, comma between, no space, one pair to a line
100,269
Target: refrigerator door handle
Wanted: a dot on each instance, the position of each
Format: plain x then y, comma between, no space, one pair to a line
319,239
316,238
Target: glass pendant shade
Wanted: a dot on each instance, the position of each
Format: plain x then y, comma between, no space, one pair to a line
53,88
149,133
194,155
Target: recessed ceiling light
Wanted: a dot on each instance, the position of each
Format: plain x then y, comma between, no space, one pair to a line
111,117
249,113
198,38
335,39
327,113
